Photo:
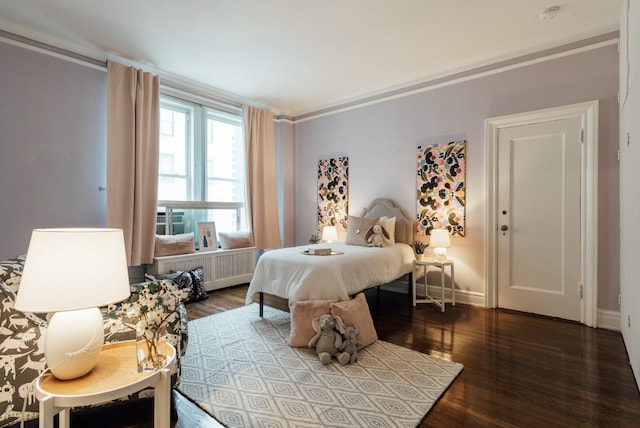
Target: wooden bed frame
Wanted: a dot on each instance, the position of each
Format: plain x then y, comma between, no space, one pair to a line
405,233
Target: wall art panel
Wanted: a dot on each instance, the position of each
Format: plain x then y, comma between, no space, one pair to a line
333,193
441,187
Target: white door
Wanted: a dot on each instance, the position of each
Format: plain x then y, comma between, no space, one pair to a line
538,242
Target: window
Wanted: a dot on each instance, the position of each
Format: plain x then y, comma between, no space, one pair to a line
202,166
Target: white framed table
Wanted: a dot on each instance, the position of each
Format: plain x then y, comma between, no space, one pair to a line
115,375
424,264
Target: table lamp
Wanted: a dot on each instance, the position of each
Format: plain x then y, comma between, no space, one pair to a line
329,233
71,272
440,241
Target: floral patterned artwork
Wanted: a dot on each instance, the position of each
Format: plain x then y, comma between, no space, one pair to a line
333,193
441,187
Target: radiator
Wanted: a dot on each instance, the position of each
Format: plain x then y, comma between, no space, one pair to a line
222,268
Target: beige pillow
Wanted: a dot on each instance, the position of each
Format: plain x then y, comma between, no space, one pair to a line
302,312
170,245
389,223
231,240
356,312
357,228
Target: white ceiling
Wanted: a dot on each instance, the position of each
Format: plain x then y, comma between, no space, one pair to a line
299,56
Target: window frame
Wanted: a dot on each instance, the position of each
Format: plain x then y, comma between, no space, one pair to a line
196,172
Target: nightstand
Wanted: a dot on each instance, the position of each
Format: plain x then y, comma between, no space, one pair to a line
424,264
115,375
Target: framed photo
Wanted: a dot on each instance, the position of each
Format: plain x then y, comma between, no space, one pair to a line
207,237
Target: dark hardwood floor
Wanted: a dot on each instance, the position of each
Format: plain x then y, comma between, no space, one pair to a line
520,370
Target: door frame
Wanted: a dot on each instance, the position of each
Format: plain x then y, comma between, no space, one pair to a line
588,113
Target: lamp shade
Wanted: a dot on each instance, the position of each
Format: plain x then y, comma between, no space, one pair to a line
69,269
329,233
440,238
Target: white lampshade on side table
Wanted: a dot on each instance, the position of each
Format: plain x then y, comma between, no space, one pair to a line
329,234
71,272
440,241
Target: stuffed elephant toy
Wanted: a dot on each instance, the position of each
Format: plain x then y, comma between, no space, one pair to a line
328,338
376,236
351,345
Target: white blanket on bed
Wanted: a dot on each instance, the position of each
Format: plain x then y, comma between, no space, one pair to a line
289,274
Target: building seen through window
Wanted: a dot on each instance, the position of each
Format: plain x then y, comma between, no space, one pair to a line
201,164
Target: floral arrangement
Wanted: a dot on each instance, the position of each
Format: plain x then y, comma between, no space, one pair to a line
314,239
147,311
419,247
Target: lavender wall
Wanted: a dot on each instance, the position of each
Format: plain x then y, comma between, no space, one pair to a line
53,140
381,141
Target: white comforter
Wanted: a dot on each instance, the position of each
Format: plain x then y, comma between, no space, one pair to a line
289,274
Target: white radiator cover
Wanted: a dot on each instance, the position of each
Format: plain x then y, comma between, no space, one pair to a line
222,268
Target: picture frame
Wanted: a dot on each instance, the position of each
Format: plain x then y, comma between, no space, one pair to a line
207,237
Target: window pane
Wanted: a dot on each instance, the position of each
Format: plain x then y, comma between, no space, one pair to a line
202,160
172,189
225,191
225,159
173,146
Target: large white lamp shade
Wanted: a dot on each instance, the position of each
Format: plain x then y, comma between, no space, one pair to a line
71,272
440,241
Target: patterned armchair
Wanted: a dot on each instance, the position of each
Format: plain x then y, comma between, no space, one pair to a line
22,346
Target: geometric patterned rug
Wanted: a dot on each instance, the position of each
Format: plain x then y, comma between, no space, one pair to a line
239,369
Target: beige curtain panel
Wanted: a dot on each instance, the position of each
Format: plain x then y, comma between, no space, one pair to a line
133,111
260,140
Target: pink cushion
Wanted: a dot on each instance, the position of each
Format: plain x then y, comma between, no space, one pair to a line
302,312
170,245
231,240
356,312
357,228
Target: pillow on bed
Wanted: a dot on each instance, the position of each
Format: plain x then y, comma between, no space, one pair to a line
356,312
302,312
357,228
389,223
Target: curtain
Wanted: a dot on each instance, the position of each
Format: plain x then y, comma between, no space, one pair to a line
262,198
133,110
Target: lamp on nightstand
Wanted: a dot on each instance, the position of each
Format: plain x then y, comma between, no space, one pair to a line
440,241
71,272
329,234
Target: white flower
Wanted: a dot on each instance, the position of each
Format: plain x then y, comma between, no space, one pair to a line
150,307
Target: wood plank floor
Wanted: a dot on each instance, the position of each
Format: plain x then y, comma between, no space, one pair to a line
520,370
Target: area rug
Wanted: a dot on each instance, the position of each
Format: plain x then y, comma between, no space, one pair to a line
239,369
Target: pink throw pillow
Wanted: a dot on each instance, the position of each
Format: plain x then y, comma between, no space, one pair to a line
356,312
170,245
302,312
231,240
357,228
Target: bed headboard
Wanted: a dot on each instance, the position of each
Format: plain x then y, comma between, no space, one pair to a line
405,225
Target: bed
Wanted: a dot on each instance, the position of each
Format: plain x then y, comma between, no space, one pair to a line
289,273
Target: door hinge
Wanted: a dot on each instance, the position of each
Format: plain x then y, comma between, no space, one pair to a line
580,290
618,154
582,135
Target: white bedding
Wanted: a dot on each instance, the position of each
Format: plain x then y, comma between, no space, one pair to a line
289,274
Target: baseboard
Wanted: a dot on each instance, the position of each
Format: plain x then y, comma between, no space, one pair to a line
609,320
462,296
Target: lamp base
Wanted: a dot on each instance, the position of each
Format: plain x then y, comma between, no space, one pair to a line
73,342
440,253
